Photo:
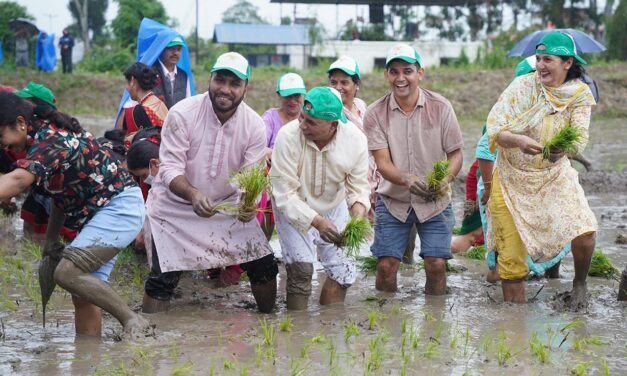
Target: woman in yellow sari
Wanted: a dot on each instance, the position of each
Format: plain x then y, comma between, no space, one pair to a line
537,205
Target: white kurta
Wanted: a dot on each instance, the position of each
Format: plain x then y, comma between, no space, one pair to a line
195,144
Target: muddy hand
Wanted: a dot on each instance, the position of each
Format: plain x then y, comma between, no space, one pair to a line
528,145
418,187
328,231
247,214
202,205
556,154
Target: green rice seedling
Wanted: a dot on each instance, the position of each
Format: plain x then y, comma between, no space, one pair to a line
456,269
367,264
605,367
173,351
376,353
304,351
457,230
184,369
319,339
269,333
583,343
414,338
404,326
252,181
431,348
228,365
258,354
438,174
537,348
296,368
287,323
8,303
581,369
466,341
31,249
475,253
373,318
601,266
350,330
565,140
453,339
332,350
427,315
243,370
354,235
503,352
397,308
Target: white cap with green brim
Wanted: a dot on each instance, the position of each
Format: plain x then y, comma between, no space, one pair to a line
234,63
290,84
347,65
403,52
177,41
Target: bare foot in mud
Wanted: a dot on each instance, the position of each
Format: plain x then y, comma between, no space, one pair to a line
573,300
138,327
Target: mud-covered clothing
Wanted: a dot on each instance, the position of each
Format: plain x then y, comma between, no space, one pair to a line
307,181
161,285
195,144
73,168
544,199
299,247
415,140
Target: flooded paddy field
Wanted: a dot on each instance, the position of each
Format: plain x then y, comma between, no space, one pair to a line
211,330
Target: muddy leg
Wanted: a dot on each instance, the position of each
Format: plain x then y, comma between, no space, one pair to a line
265,295
513,290
553,272
435,268
91,289
408,256
298,287
622,288
387,268
582,248
87,317
332,292
584,161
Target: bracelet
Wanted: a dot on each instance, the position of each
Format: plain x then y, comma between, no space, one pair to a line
487,182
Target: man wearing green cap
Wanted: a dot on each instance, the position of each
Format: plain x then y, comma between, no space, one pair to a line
174,84
317,179
408,130
205,139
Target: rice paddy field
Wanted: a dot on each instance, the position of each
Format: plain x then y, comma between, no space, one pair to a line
217,331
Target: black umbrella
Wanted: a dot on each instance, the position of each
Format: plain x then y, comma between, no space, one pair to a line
24,27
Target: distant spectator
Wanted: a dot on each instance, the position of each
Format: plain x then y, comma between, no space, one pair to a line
21,49
66,43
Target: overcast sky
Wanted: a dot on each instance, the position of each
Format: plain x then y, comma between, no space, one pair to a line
53,15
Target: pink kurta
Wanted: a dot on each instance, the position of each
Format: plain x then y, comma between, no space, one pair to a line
195,144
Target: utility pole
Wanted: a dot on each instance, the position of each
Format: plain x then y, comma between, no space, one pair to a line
196,34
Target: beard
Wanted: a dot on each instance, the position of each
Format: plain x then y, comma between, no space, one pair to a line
217,107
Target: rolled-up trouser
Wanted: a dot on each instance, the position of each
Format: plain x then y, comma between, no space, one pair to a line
299,247
115,225
161,285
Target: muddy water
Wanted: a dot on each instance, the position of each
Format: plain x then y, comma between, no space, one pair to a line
217,330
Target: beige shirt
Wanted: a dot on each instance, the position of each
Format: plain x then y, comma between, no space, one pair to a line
307,181
416,140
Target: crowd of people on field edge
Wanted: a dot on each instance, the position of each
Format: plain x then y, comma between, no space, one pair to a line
157,179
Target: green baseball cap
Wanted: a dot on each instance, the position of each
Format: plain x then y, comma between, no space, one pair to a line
559,44
178,41
324,103
290,84
403,52
347,65
526,66
234,63
39,91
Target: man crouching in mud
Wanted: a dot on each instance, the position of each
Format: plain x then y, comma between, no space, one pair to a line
91,193
205,139
319,170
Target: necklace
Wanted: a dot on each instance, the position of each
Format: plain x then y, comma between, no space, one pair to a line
149,93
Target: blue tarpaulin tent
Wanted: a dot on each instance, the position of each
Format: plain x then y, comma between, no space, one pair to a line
151,41
45,53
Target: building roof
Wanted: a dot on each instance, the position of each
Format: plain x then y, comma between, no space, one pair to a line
261,34
383,2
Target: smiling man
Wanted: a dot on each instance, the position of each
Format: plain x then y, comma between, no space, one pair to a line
319,173
205,139
408,130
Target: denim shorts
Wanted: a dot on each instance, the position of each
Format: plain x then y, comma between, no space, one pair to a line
391,235
114,225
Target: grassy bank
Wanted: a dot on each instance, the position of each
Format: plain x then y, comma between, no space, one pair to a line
472,91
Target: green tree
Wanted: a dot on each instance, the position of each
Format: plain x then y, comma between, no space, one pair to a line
243,12
616,31
95,17
8,11
125,25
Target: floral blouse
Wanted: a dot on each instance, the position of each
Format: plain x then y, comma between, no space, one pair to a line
78,173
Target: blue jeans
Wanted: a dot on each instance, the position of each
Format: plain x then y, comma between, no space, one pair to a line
391,235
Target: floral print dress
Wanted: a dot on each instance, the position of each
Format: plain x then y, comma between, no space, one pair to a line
78,173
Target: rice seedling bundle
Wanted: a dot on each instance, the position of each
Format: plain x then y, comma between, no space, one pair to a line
564,140
253,181
601,266
475,253
368,264
354,235
439,173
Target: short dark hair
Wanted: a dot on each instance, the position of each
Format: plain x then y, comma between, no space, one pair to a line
354,77
145,147
12,106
